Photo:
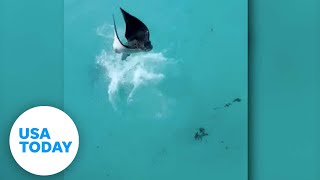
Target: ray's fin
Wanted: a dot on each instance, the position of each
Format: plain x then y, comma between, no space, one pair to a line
135,29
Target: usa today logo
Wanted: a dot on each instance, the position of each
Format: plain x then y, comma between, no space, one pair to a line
44,146
44,140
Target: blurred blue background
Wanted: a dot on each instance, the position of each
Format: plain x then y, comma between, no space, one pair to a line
284,62
31,68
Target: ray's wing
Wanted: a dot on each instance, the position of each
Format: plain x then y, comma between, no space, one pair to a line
135,29
116,38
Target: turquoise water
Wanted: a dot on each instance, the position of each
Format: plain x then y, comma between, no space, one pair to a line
137,118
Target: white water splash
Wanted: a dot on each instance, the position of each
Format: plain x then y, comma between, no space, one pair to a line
137,70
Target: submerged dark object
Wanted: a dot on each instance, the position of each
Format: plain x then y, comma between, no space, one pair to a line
228,104
200,134
237,100
137,35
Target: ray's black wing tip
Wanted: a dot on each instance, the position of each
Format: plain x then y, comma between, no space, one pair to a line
122,10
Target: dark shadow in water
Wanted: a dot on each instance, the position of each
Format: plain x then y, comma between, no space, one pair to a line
229,104
200,134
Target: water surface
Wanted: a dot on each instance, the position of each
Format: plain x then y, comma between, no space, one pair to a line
137,118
